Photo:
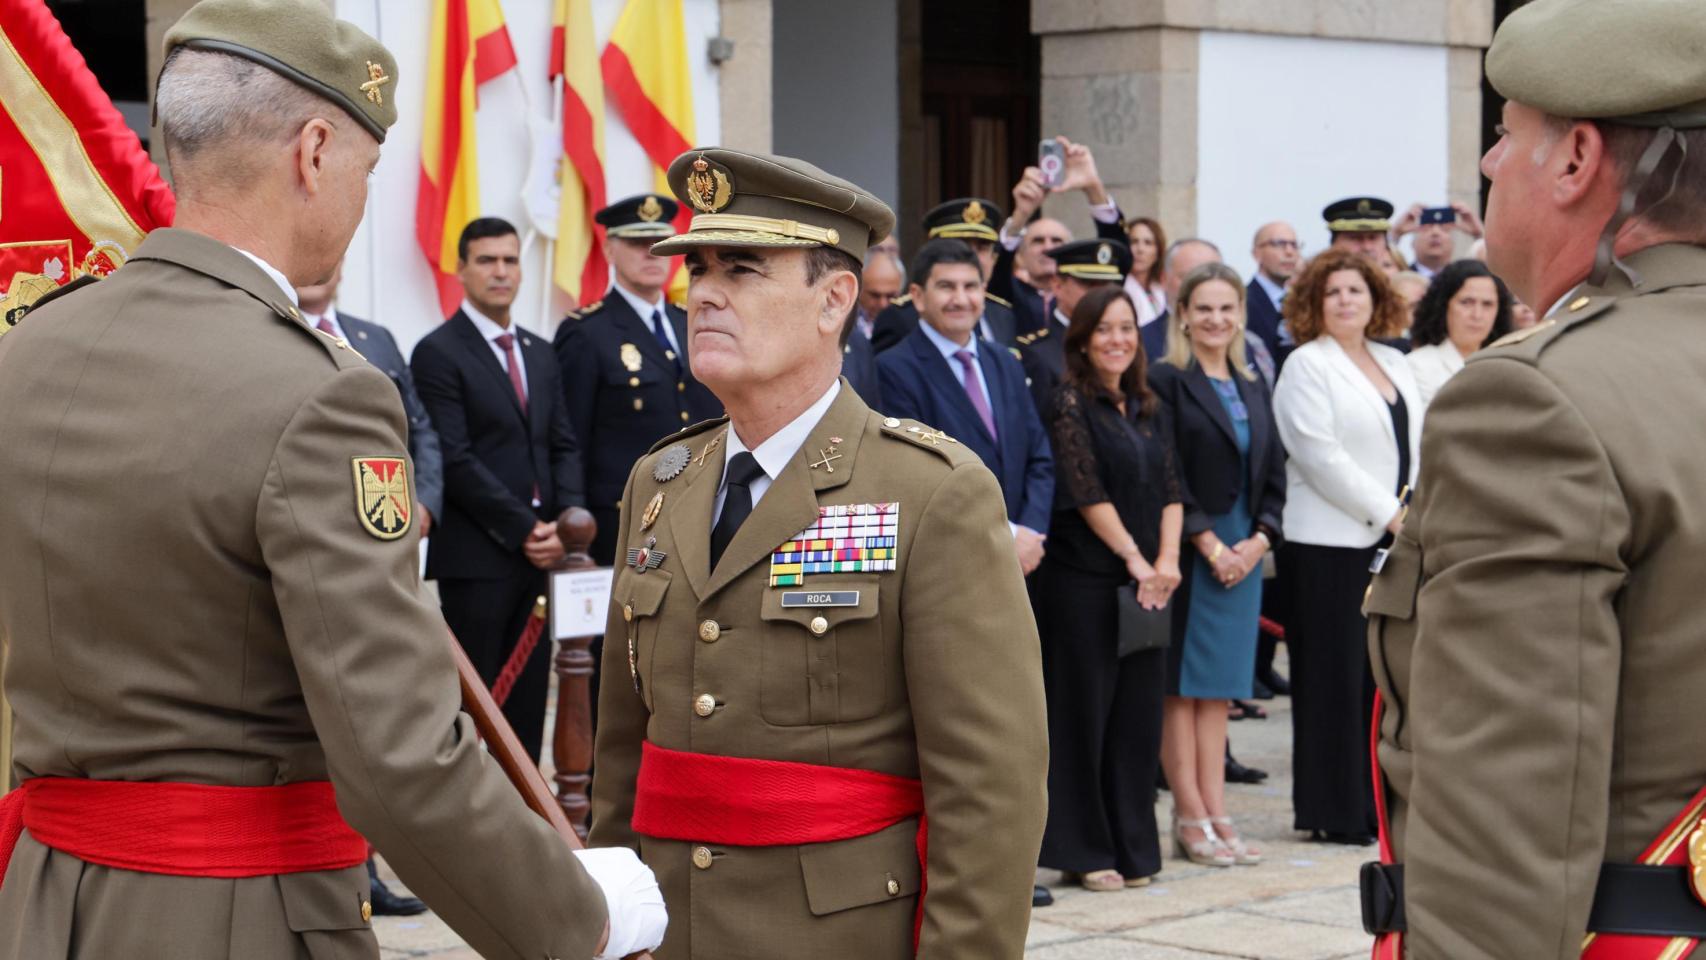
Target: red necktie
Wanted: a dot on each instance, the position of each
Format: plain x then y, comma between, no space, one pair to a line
325,326
513,363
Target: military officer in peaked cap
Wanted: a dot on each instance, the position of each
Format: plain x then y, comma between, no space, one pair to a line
223,669
975,221
1359,224
625,361
1536,627
806,681
1082,265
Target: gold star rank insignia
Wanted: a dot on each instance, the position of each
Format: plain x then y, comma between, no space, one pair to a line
382,495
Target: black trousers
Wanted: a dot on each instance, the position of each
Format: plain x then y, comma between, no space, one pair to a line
1104,726
488,616
1332,688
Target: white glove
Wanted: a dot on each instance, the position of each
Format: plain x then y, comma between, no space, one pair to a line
637,914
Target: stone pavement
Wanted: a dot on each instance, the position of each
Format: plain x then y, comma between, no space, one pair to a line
1301,904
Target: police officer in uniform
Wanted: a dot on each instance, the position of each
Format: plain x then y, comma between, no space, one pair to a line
223,668
1536,627
973,220
796,674
1083,265
624,361
1359,224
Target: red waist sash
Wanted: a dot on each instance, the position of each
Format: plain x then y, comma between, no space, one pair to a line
183,829
745,802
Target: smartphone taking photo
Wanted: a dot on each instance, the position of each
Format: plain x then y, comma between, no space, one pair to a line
1051,160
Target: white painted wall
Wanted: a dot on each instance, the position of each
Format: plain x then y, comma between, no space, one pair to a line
1286,125
385,274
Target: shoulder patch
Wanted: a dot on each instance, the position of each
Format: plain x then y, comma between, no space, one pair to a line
990,296
382,500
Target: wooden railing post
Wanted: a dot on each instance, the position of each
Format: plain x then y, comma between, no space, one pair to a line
571,746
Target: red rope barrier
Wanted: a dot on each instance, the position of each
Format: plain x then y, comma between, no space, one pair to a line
523,652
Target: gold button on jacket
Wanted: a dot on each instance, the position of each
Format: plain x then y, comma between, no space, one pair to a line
839,686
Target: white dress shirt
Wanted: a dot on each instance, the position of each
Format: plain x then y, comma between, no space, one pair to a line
490,332
277,277
773,454
645,310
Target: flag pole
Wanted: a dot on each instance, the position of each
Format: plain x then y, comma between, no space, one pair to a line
551,242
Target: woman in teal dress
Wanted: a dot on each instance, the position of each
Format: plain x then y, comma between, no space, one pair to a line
1232,479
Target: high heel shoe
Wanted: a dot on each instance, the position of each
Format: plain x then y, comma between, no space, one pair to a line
1209,851
1244,854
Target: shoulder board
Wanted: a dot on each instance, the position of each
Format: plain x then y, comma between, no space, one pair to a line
1026,339
1532,340
58,292
916,434
990,296
687,432
902,299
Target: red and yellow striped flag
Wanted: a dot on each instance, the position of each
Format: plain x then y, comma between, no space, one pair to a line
579,270
77,191
647,75
469,45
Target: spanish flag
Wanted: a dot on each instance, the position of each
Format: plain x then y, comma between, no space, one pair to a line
77,191
579,270
469,45
647,75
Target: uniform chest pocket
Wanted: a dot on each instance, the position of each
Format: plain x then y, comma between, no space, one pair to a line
824,659
641,597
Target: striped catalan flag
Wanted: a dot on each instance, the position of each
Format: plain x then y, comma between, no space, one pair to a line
647,76
579,268
77,191
469,45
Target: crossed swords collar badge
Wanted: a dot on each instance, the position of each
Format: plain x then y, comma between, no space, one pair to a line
828,456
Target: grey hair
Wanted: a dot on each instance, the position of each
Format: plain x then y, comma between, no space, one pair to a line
893,261
1179,244
1679,209
208,99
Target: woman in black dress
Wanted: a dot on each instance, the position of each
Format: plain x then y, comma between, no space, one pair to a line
1117,520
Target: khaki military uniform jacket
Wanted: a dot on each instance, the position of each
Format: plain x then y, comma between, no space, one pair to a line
934,673
187,593
1537,630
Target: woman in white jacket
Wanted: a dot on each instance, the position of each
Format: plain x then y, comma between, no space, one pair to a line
1348,413
1465,308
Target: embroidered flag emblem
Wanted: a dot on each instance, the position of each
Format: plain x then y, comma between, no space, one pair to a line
382,495
847,538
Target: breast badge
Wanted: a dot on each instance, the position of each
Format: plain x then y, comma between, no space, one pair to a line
382,495
652,510
631,358
671,462
648,557
848,538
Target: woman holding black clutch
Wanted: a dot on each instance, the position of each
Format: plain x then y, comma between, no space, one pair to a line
1232,469
1115,529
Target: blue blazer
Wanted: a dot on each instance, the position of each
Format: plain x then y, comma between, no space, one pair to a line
1262,315
859,366
376,344
1154,337
918,383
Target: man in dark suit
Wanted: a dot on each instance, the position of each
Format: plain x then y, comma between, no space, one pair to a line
944,375
624,363
379,348
1026,238
1277,256
859,366
970,220
1080,266
511,467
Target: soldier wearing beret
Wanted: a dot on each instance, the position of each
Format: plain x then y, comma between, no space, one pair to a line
1081,266
1535,629
625,361
787,696
974,221
1359,224
223,669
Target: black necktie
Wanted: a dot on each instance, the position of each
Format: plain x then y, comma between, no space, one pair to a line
737,502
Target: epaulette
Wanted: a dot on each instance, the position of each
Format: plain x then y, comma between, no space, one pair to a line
56,293
990,296
686,432
581,313
919,435
1026,339
1532,340
903,299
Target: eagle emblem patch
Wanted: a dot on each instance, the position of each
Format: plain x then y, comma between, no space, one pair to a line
382,495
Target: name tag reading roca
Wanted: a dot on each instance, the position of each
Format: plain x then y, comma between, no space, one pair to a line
827,598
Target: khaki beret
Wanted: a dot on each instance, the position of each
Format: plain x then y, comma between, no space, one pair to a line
1639,62
301,41
757,200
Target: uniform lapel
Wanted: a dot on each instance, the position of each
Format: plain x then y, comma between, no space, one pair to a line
484,357
790,505
1196,381
1348,370
690,520
937,368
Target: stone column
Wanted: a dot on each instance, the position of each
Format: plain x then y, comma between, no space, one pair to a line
744,80
1121,76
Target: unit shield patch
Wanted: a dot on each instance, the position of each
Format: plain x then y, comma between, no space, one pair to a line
382,495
